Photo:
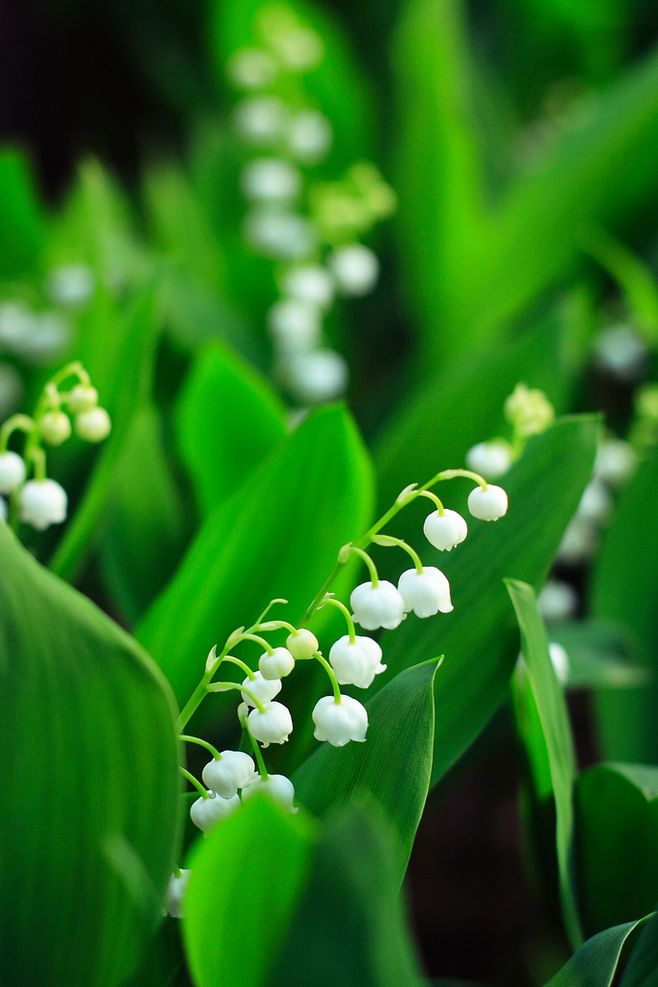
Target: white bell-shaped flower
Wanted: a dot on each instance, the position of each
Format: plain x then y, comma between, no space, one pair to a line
93,425
490,459
295,324
596,503
615,462
260,120
309,136
277,787
622,352
426,592
271,726
355,268
12,471
316,377
207,812
310,283
55,427
227,774
176,893
71,284
557,600
277,665
278,233
377,606
340,722
302,644
445,531
578,542
356,662
560,662
263,689
42,503
488,504
251,68
270,180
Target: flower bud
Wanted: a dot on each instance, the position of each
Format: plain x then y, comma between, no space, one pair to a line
272,726
175,894
93,425
615,462
377,606
302,644
356,662
426,592
82,397
490,459
42,503
226,774
560,662
270,180
355,269
309,136
318,376
55,427
276,666
12,471
340,722
263,689
310,283
445,531
279,788
557,600
206,813
488,504
294,324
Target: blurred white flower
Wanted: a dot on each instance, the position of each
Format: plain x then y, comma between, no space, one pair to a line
310,283
176,893
12,471
557,600
260,120
270,180
616,461
42,503
490,459
251,68
279,234
309,136
622,352
317,376
71,284
277,787
355,268
294,324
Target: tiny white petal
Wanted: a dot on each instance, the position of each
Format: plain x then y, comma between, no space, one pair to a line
560,661
176,893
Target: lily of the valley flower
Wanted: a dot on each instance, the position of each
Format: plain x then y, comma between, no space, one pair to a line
261,688
426,592
276,665
176,893
487,504
207,812
377,606
302,644
355,268
356,662
445,531
93,425
42,503
12,471
272,725
340,722
279,788
227,774
490,459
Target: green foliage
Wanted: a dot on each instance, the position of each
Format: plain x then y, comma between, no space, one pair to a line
88,826
544,729
23,220
228,421
601,656
596,962
642,969
279,537
400,734
617,836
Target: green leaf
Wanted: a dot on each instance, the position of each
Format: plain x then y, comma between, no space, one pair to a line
596,962
623,590
228,421
122,373
543,723
478,637
89,784
601,656
642,969
617,837
143,533
278,537
23,229
393,766
349,927
245,882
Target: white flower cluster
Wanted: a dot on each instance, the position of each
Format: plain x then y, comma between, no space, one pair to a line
40,501
311,229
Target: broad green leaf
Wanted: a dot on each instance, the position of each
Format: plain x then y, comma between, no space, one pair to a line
89,784
601,655
596,962
424,432
129,358
438,171
478,637
642,968
143,532
617,838
276,537
534,235
23,228
624,590
245,883
228,421
545,731
349,927
393,766
635,279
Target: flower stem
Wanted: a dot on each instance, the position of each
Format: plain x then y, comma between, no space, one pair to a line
332,675
258,754
227,686
332,601
193,781
388,541
202,743
241,664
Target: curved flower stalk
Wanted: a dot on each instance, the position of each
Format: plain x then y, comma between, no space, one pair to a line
68,403
231,776
312,230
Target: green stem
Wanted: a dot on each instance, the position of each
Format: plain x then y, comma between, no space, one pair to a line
74,369
332,601
435,500
372,569
388,541
241,664
202,743
452,474
332,675
193,781
258,754
247,636
278,599
22,423
226,686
